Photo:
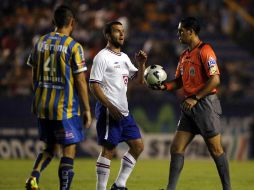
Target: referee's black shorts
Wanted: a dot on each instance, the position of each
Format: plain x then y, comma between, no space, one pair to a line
203,118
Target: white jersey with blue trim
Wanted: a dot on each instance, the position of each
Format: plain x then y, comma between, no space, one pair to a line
112,71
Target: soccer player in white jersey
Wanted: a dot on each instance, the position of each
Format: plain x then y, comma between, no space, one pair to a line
108,81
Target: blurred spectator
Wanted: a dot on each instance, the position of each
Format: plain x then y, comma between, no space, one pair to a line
149,24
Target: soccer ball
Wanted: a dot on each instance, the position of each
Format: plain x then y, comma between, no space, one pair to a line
155,75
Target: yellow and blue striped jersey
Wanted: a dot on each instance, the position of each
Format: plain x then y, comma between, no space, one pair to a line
55,59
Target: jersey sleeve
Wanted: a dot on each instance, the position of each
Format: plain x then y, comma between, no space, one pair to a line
98,69
78,59
209,60
132,69
178,72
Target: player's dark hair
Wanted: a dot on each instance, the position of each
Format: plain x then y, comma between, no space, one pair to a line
62,16
108,26
191,23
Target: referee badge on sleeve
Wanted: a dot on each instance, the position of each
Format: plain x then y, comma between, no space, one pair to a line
212,65
213,70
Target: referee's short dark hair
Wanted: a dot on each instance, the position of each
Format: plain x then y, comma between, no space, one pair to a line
108,26
62,16
191,23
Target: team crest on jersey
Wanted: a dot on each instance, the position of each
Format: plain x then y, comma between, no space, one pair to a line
192,71
125,79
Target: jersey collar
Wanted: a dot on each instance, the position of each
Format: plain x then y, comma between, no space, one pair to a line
199,43
119,54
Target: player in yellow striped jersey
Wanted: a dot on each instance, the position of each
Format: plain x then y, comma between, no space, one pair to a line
58,66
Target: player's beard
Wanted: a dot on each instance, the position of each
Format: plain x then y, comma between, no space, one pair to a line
115,43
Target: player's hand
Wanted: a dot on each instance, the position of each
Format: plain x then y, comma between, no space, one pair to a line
141,57
189,103
158,87
87,119
115,113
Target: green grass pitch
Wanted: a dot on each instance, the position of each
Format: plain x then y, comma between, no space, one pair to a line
148,175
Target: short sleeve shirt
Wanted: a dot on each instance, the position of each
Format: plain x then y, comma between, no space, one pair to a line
55,59
112,71
195,73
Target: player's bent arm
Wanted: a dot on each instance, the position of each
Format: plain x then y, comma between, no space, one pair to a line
98,93
140,73
100,96
172,85
212,83
81,85
141,58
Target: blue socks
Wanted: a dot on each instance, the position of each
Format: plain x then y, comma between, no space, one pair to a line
41,162
65,173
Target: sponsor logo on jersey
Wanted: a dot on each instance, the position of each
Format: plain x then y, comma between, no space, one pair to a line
117,65
211,62
43,46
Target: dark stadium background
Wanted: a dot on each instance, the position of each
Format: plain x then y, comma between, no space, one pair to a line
150,25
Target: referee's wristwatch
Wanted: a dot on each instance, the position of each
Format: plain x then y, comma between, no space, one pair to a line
194,97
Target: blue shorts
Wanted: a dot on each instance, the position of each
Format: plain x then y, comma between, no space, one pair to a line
112,132
68,131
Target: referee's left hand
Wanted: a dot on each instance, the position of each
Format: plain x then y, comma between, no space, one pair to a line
157,87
